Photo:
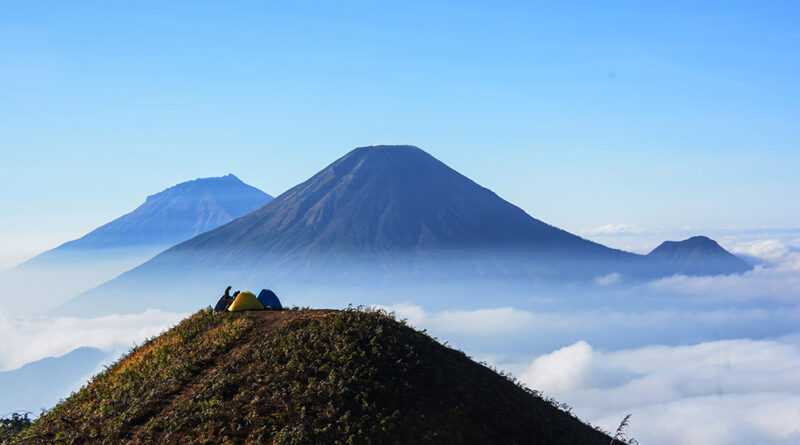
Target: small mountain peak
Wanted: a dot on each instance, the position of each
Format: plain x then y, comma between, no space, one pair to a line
700,239
699,254
695,242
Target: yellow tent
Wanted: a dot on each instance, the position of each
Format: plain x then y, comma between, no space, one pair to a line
245,301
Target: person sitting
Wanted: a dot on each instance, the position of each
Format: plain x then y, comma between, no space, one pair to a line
224,301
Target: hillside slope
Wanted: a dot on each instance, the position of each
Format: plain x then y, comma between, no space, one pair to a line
303,377
38,385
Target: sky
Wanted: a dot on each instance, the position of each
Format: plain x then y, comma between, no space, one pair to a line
582,114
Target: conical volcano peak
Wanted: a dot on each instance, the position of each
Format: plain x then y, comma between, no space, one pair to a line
386,197
393,147
374,158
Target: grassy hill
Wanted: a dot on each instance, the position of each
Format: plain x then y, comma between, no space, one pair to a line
303,376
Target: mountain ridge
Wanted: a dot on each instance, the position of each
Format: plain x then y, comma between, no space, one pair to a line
203,204
164,219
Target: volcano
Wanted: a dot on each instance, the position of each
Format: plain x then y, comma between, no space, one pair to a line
380,216
698,255
173,215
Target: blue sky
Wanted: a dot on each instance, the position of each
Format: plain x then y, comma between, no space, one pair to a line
582,114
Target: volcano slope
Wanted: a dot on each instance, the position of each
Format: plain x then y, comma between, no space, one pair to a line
303,376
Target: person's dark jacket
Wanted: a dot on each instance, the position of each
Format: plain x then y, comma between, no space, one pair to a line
224,301
222,304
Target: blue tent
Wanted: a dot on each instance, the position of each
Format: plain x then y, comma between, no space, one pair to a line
268,298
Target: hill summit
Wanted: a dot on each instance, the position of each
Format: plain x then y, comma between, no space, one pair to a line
303,376
699,255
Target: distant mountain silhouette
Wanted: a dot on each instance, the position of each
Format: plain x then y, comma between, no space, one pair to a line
177,214
388,198
380,216
698,255
40,384
164,219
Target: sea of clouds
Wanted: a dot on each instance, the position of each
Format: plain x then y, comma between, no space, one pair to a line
737,391
719,362
27,339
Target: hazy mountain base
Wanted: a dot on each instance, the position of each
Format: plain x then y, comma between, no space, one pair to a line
380,216
164,219
303,377
56,276
39,385
168,283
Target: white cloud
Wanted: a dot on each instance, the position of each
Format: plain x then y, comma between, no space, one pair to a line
772,283
616,229
33,338
733,392
738,391
608,280
643,239
781,256
509,324
560,370
482,321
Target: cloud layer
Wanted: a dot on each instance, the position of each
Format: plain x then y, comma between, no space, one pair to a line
776,279
733,392
29,339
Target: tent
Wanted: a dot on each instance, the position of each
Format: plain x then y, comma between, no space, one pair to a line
245,301
268,298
